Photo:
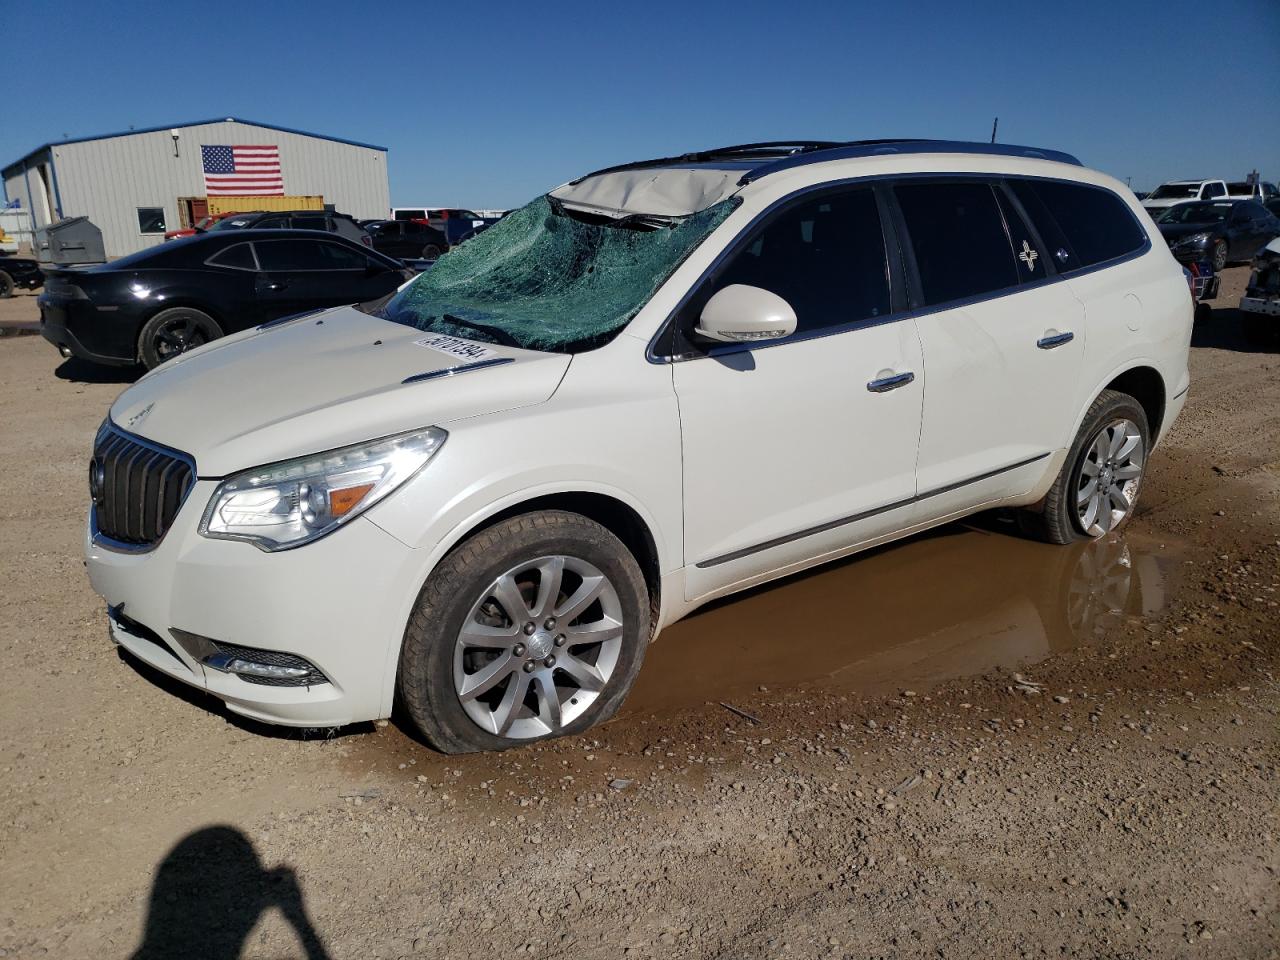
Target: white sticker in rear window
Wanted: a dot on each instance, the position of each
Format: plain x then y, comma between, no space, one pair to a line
454,347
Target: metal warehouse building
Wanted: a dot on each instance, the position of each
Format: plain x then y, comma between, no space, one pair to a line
137,183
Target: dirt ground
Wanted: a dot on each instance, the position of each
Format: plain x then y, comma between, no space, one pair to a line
965,745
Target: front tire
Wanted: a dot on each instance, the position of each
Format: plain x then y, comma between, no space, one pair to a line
6,285
1097,489
174,331
1219,256
431,252
533,628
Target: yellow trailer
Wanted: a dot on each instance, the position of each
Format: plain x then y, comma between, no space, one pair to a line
251,204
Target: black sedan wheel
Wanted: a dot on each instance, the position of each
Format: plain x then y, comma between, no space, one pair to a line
6,285
1219,255
431,252
174,331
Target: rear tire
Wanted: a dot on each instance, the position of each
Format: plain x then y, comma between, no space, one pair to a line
474,676
6,285
174,331
1103,470
431,252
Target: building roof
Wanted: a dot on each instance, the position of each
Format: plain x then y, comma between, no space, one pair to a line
190,123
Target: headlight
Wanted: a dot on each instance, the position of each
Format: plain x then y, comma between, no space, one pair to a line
291,503
1195,240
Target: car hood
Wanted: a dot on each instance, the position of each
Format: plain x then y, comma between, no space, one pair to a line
321,381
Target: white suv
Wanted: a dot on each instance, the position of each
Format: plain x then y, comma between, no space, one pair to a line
656,385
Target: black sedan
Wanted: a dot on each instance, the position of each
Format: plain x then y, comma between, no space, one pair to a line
153,305
407,239
18,272
1217,232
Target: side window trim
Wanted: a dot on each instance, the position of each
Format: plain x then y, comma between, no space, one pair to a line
662,346
668,335
1010,202
211,260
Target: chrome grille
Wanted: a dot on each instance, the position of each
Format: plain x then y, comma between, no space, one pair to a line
137,488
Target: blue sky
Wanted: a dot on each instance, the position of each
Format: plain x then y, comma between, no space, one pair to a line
488,103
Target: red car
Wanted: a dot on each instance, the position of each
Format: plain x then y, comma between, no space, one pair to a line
204,224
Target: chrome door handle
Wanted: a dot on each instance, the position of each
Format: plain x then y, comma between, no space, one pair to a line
885,384
1049,341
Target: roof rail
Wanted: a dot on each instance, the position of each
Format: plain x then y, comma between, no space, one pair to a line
875,148
777,155
767,150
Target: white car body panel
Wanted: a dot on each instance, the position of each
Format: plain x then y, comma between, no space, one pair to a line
781,440
715,456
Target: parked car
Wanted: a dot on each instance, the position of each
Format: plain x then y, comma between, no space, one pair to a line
407,239
483,496
339,223
19,273
456,223
201,225
1261,301
1179,191
151,306
1244,190
1220,232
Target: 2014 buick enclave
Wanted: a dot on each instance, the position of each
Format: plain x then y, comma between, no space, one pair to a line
657,385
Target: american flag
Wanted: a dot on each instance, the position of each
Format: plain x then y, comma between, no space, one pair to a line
242,171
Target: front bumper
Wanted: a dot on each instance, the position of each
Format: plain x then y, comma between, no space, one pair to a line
340,603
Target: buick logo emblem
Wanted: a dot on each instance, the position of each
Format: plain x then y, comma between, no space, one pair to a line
138,417
97,481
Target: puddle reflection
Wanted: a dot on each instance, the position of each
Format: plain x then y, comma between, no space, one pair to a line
956,602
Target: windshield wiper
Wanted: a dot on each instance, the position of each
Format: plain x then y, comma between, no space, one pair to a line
496,332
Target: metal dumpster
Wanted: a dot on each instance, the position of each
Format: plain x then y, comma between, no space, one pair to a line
73,240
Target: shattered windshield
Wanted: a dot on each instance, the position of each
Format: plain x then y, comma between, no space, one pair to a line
545,278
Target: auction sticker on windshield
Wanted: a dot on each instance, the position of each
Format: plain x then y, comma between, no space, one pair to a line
455,347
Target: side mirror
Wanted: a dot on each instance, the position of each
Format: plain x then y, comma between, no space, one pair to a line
744,314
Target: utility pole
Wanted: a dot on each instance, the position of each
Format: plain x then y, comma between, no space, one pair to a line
994,123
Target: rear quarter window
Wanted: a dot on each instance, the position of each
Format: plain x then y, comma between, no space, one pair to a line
1096,224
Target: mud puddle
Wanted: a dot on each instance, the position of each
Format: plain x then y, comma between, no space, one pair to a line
956,602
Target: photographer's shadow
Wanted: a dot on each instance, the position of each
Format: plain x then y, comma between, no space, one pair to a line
209,893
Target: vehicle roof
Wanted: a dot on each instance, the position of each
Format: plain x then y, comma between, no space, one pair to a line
677,186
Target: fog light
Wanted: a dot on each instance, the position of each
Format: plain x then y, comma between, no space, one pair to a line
264,669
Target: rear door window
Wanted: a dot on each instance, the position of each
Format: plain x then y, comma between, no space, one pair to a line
1213,190
959,239
1093,223
310,223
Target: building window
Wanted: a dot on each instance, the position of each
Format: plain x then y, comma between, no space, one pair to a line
151,220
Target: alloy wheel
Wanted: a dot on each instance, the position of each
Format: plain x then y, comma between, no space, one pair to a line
178,335
538,647
1219,256
1108,477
